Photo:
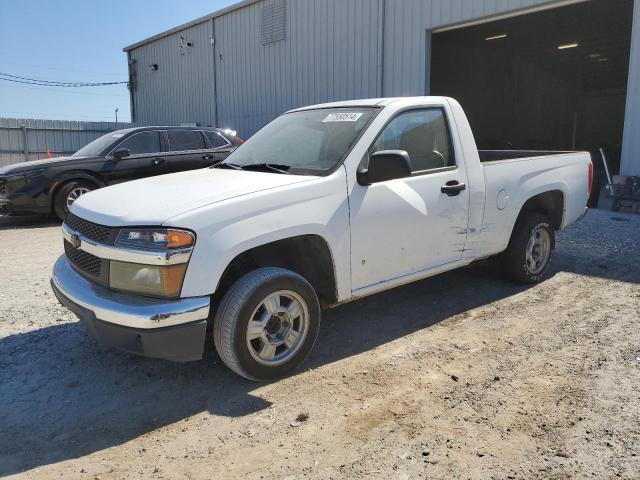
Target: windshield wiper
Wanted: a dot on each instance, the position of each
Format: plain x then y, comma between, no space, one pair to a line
227,165
273,167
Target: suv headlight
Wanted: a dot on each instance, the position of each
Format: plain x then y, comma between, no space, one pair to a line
152,280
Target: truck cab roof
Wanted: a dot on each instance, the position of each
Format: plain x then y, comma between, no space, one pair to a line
370,102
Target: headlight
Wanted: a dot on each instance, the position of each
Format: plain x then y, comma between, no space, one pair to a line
152,280
160,239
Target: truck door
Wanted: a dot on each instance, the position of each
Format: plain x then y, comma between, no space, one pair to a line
408,225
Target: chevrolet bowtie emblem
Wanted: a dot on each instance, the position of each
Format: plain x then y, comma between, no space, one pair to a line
75,240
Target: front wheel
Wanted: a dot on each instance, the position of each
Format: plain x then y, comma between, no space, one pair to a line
267,323
67,194
527,258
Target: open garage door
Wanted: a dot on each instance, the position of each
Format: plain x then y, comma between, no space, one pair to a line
552,80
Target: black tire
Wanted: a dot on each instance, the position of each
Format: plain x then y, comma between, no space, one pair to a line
514,258
236,309
60,207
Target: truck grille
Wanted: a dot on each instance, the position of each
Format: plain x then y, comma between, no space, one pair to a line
83,261
93,231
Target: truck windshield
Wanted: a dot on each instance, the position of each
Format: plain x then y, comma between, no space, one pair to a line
100,144
309,142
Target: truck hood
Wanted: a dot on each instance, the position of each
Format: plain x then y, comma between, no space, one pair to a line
154,200
39,164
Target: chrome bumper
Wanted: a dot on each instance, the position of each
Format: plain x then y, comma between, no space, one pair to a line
123,309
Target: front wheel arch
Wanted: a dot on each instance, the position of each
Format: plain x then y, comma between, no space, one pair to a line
74,176
307,255
59,187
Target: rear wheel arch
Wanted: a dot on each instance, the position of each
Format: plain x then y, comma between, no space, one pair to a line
307,255
550,204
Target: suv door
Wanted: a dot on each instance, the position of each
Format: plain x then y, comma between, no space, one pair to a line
408,225
146,158
187,150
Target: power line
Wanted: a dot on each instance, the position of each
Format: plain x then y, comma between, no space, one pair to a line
57,116
62,69
50,83
51,90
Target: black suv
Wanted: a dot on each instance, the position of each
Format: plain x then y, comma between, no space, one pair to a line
45,186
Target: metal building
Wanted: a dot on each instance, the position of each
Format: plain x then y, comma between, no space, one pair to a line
562,74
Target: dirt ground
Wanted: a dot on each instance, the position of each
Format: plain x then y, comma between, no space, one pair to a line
460,376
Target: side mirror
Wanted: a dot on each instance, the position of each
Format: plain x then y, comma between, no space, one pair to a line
385,165
120,154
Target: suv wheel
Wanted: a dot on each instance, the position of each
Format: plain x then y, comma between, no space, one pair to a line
267,323
67,194
530,249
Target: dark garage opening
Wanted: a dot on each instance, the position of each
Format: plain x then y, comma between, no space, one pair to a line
551,80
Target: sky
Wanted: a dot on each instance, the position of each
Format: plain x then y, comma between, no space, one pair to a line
79,41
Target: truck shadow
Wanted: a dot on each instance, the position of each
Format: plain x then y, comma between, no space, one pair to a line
63,396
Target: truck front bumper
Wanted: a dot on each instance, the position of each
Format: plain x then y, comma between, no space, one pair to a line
169,329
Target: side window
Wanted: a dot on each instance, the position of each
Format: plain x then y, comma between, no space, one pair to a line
423,134
141,143
180,140
216,139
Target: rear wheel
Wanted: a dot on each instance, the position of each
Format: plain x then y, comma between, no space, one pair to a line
69,193
527,258
267,323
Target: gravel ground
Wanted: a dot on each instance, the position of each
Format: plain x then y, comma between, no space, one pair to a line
461,376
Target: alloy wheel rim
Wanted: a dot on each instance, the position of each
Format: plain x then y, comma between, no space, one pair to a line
75,194
277,328
538,251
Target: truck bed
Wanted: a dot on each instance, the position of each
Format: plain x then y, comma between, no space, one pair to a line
512,177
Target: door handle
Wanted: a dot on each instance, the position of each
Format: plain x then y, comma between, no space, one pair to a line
452,188
158,161
208,157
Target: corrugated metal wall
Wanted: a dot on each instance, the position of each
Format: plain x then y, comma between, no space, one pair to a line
181,89
630,164
59,137
406,66
330,52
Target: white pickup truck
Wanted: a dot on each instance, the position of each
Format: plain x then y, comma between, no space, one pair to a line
325,204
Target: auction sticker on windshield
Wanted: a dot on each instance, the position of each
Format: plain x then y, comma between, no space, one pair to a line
343,117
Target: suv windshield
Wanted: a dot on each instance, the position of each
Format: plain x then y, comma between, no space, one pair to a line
309,142
100,144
